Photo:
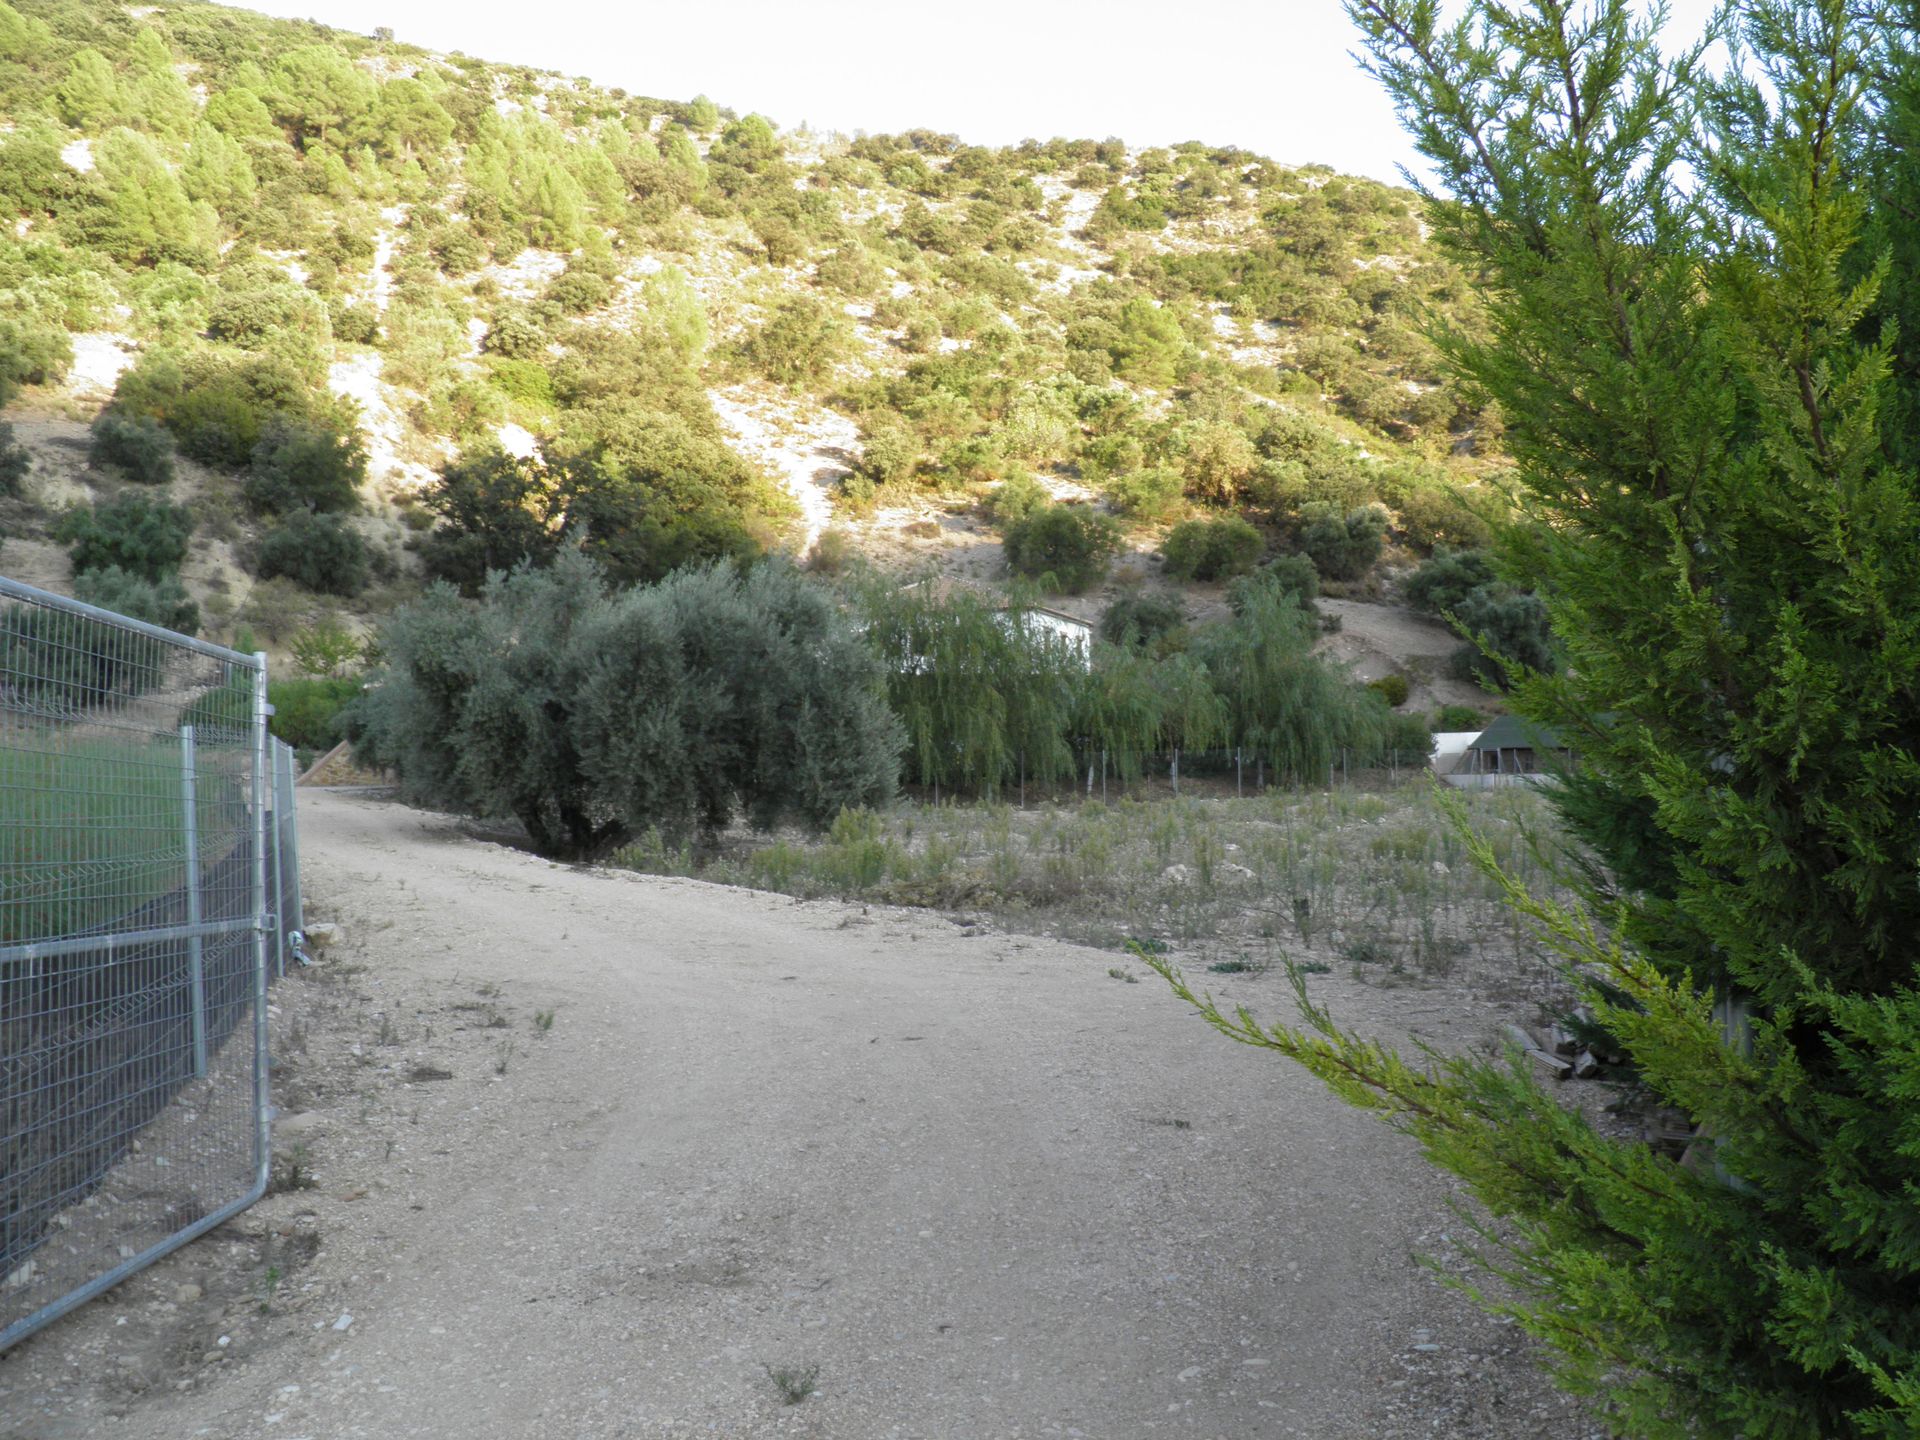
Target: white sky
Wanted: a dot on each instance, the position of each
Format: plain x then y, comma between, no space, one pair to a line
1276,78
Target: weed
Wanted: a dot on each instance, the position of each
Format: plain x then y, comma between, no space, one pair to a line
1313,967
388,1034
1239,965
290,1172
1116,973
543,1021
505,1057
794,1382
269,1286
1367,950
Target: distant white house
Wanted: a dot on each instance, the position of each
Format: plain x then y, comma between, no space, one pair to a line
1069,630
1048,624
1449,748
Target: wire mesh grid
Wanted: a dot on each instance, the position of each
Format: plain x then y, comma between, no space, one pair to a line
138,832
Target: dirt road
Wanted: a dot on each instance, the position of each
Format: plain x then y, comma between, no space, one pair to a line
987,1189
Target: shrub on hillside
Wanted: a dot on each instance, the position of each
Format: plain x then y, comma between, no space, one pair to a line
1394,689
800,341
138,447
1440,584
514,335
1510,634
1015,498
162,602
14,461
1293,575
144,536
1141,620
1150,493
355,324
1064,547
306,467
1212,549
318,552
1345,547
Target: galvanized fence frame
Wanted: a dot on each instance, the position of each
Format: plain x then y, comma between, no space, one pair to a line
149,879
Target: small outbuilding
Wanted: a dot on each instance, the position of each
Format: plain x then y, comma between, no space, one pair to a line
1513,746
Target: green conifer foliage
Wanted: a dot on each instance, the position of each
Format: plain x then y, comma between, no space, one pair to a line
1687,272
90,95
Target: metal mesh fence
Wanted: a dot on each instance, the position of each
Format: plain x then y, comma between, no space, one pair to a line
146,856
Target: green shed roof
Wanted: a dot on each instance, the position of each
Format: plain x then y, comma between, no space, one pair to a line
1510,732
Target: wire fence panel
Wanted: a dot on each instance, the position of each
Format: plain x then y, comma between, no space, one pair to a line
142,848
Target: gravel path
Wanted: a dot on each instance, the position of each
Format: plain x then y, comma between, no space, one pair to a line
986,1189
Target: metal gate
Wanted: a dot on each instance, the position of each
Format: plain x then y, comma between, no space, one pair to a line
147,856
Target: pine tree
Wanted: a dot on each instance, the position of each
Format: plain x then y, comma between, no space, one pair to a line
218,171
1687,279
90,95
151,216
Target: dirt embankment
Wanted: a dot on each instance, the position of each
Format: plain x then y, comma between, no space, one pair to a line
590,1154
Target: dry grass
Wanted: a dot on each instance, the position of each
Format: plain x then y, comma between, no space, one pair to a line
1376,878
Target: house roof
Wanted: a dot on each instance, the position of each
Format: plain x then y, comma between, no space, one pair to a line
1510,732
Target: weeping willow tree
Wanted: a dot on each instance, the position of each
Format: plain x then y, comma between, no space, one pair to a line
1130,705
1287,705
986,695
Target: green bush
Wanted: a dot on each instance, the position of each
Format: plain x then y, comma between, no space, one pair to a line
800,341
139,447
1145,494
515,335
1457,718
1440,584
15,462
142,535
34,349
1512,627
1064,547
1293,575
162,602
1392,688
1015,498
1345,548
496,512
593,715
306,467
850,270
308,713
1141,620
1212,549
318,552
355,324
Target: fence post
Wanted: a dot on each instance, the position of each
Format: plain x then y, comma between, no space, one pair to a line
262,1098
279,870
297,919
1239,775
1176,771
1023,779
196,947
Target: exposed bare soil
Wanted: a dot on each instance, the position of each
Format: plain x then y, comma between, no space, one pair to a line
986,1189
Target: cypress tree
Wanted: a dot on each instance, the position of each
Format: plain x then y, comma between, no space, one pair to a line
1690,275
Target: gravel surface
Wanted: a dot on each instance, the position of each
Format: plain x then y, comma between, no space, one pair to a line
985,1188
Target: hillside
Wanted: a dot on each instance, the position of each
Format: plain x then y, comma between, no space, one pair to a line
403,314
